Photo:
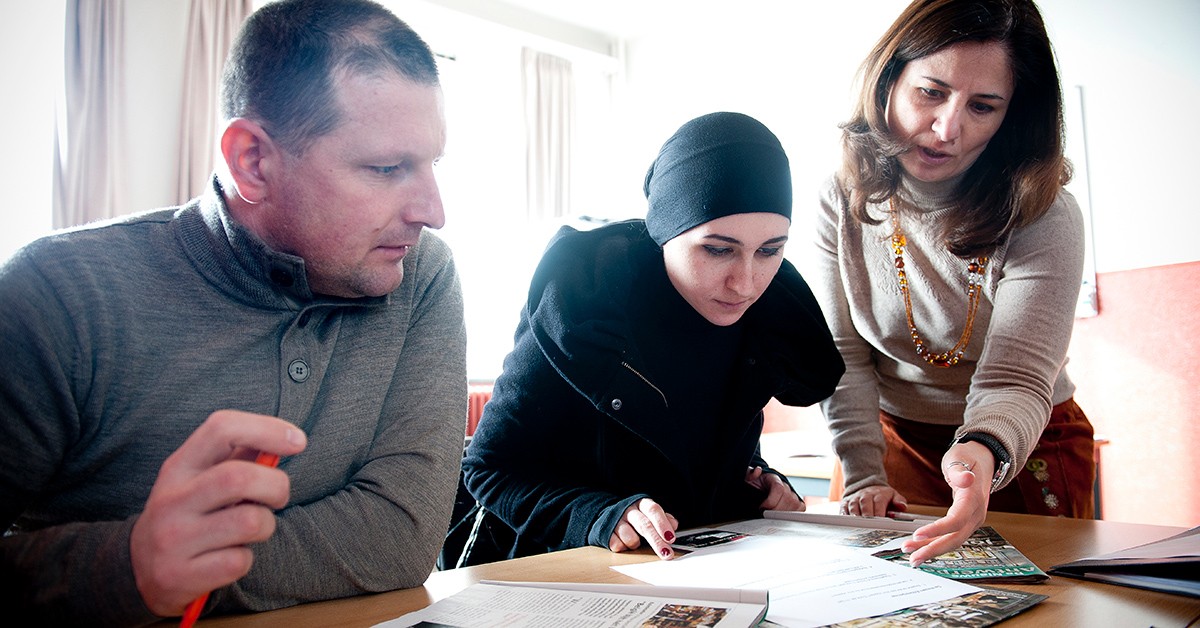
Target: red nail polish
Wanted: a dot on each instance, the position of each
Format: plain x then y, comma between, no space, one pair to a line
669,536
666,552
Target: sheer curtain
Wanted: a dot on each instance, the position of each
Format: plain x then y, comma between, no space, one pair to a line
549,116
91,177
89,152
212,26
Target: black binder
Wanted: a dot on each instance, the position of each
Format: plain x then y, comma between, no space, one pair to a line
1171,565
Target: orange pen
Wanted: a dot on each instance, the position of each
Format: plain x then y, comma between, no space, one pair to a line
192,612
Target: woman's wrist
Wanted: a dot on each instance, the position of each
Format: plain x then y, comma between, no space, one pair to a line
1002,459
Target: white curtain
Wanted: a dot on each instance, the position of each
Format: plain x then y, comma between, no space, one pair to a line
89,152
549,116
212,26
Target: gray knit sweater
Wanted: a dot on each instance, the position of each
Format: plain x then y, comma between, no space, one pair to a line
118,340
1012,371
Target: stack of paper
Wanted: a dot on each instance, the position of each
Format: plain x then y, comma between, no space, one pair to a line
487,604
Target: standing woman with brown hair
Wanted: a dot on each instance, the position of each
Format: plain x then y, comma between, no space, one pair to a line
950,264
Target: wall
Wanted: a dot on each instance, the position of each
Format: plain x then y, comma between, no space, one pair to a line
1136,369
27,119
1135,62
791,65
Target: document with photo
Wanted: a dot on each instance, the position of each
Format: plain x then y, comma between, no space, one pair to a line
812,582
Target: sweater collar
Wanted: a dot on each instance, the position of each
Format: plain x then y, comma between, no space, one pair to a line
237,261
927,197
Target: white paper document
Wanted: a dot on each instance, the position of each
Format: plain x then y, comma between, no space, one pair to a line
489,604
811,582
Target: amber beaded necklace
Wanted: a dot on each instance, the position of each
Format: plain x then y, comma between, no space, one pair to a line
974,290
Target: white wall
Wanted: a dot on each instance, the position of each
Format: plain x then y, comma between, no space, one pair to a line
1139,68
29,31
791,64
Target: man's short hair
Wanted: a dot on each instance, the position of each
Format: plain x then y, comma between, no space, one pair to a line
288,55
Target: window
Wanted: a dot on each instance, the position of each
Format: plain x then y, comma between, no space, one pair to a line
482,177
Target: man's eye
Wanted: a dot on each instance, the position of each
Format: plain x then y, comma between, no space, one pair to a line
387,170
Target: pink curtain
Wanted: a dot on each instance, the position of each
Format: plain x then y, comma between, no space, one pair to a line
212,27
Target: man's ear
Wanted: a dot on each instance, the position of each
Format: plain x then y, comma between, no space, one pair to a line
246,147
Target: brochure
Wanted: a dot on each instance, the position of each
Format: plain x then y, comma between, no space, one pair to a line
564,604
984,557
982,608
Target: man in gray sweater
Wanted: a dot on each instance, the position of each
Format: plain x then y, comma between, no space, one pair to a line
300,307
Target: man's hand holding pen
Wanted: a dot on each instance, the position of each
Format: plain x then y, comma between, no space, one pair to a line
208,503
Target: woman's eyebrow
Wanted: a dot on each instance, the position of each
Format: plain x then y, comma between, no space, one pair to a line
940,83
722,238
732,240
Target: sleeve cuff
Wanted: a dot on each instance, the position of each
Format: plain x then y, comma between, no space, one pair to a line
1003,460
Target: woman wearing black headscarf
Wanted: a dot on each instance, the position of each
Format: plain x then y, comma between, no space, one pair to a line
632,401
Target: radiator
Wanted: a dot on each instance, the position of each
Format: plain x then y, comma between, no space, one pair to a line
477,396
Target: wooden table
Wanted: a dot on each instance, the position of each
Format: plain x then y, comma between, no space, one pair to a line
1045,540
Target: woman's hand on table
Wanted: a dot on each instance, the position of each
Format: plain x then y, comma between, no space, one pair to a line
645,519
968,470
874,501
780,496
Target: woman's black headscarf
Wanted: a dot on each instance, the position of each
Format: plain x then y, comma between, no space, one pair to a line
716,165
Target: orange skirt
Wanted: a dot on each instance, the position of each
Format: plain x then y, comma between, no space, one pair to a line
1058,479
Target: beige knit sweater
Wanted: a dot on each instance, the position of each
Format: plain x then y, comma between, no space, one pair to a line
1012,371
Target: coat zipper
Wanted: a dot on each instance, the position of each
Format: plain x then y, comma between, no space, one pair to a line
643,378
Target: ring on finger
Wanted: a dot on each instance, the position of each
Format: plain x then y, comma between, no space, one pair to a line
959,463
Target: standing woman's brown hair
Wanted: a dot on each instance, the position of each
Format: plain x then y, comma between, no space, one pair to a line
1017,177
